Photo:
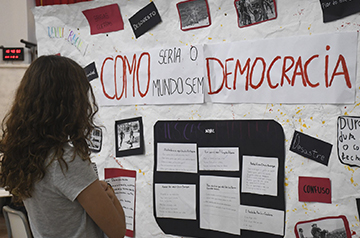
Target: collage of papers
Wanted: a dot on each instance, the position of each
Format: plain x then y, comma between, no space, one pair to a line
221,119
226,189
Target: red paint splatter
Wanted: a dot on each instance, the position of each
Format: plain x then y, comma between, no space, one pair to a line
300,12
118,162
232,111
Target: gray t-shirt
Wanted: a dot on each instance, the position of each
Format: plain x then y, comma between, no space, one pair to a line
53,209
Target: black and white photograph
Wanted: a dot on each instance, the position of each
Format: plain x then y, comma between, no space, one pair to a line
129,137
328,227
254,11
194,14
95,142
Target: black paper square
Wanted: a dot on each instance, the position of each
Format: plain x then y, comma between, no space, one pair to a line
337,9
145,19
91,72
95,142
311,148
129,137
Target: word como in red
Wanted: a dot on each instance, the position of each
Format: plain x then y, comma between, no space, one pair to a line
122,68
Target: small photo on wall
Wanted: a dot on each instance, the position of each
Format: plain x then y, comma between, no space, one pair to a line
129,137
193,14
336,226
252,12
95,142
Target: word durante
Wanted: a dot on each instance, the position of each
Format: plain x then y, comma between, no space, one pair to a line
144,20
315,189
350,123
299,66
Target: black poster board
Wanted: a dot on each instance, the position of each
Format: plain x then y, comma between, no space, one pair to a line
254,138
337,9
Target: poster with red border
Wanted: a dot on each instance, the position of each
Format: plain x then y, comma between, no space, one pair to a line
332,226
123,183
254,12
193,14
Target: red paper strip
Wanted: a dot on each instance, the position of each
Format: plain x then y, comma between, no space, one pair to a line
115,172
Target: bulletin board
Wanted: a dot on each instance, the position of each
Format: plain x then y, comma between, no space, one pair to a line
264,138
161,62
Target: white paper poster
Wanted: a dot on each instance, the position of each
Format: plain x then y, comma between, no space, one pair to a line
259,175
320,68
262,219
177,157
226,158
175,201
302,69
172,75
124,188
219,204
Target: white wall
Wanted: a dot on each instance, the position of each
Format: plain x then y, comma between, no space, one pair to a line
10,76
16,23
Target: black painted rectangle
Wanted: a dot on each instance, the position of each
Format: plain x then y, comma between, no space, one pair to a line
91,72
311,148
145,19
337,9
11,54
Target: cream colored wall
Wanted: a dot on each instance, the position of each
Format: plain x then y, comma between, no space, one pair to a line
10,76
16,23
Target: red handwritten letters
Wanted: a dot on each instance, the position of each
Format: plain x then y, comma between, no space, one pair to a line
316,69
291,70
126,67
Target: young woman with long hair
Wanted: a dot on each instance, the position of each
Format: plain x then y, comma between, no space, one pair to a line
46,159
